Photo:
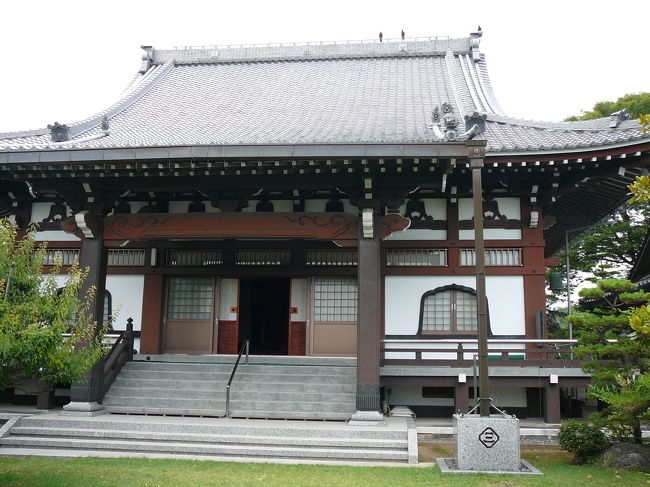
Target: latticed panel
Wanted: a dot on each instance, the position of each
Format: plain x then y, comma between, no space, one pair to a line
193,257
493,257
266,257
190,298
466,310
335,300
437,312
331,257
61,256
126,257
416,257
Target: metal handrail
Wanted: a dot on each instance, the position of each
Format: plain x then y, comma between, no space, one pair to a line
245,347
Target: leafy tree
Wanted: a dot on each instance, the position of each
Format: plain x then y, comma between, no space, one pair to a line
615,309
636,105
608,251
35,313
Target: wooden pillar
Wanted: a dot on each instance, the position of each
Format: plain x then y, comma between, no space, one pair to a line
369,316
85,393
552,404
461,404
151,308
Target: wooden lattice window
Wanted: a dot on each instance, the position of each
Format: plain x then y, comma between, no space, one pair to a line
190,298
61,256
449,310
335,299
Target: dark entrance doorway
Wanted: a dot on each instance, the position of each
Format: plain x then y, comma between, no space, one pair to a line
264,314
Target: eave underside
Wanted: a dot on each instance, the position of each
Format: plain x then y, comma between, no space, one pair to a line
574,191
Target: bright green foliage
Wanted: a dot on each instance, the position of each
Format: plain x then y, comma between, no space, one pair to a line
35,313
584,440
608,251
636,105
640,188
644,120
619,369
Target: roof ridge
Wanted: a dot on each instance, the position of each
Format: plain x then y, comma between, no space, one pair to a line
314,51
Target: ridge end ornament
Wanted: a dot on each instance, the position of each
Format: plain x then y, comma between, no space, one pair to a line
445,123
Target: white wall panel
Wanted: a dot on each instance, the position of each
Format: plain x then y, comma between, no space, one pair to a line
228,298
299,294
509,207
419,234
492,234
127,295
403,294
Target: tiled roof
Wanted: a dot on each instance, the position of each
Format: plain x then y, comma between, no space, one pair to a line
314,94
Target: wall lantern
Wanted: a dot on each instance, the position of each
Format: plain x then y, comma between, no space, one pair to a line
555,281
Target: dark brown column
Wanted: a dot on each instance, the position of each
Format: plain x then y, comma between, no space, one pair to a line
151,310
552,404
93,258
369,316
461,397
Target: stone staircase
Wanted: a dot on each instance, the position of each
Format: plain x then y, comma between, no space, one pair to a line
210,438
267,387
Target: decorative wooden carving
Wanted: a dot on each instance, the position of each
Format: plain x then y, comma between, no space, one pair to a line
83,225
492,217
343,228
416,212
333,226
58,212
391,223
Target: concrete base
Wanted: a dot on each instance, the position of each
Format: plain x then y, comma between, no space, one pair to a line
83,409
449,465
487,443
367,418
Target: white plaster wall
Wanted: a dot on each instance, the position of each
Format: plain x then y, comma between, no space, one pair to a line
419,234
126,297
178,206
510,207
436,208
412,396
492,234
299,293
279,206
403,294
319,206
40,211
228,297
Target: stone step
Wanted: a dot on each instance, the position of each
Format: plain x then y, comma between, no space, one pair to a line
220,387
219,404
235,394
252,368
240,377
313,441
253,359
212,427
268,451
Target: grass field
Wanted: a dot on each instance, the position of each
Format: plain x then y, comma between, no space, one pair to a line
91,472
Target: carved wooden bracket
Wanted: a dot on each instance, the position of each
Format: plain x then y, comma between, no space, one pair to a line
83,225
324,226
342,228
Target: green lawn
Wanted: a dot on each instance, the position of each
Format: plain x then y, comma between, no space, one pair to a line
90,472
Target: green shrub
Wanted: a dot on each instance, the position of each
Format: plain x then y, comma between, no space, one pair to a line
582,439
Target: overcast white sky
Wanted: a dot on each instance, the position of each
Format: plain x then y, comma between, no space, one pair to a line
66,60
